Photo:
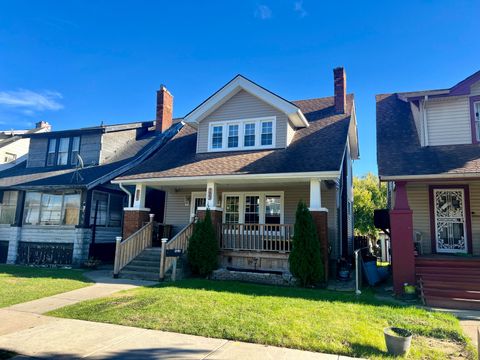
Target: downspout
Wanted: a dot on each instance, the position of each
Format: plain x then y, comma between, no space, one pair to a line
424,120
127,192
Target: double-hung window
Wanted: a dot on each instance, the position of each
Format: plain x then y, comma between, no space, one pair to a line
233,136
8,207
247,134
267,133
75,150
62,156
52,149
232,209
217,137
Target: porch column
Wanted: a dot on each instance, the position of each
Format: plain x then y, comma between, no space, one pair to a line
211,204
401,233
134,217
320,218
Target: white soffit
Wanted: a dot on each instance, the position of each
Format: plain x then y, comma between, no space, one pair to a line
233,87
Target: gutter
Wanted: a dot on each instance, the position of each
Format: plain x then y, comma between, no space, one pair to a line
129,194
443,176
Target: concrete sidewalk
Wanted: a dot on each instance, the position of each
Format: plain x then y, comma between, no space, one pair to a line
469,320
25,331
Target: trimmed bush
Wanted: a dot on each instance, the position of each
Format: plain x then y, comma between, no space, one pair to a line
203,247
305,259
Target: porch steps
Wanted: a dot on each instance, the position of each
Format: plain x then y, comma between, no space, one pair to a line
450,282
146,266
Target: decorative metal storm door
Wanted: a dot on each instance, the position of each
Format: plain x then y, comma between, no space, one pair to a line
450,225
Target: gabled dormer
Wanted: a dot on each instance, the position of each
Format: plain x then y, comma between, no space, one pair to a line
447,116
244,116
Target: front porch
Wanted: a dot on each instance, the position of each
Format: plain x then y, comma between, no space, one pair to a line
435,239
254,222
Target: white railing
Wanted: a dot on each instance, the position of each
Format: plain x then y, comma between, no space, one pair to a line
179,241
131,247
257,237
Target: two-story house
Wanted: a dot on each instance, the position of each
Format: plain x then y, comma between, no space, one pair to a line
250,156
58,206
428,150
14,146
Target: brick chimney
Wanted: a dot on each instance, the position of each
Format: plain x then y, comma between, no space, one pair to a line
42,125
164,110
340,89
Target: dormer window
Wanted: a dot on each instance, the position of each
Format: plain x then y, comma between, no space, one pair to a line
249,137
245,134
267,133
63,151
62,157
217,137
233,136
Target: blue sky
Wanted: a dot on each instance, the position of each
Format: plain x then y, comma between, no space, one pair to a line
78,63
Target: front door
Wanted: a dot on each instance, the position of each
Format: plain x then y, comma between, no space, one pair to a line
450,221
197,201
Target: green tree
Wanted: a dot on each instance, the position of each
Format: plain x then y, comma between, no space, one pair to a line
306,262
368,194
203,247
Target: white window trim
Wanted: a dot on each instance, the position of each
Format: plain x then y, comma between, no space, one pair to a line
241,127
261,212
476,105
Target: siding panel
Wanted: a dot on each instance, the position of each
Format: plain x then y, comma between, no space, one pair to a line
418,198
37,152
448,121
242,106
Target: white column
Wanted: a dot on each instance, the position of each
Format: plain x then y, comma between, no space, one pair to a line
139,198
211,196
316,195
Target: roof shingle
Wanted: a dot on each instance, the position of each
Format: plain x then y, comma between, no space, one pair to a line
319,147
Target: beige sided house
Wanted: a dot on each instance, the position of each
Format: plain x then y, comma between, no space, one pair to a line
250,156
14,147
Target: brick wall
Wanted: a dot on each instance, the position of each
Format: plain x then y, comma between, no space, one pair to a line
320,218
133,220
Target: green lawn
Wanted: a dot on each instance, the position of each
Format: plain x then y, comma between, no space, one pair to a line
20,283
316,320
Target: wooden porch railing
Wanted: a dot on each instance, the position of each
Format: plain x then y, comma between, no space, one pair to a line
179,241
131,247
257,237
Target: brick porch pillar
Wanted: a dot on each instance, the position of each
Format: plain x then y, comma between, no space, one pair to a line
401,228
216,215
320,218
133,220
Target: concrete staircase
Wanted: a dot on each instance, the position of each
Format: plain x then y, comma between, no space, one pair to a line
450,282
146,266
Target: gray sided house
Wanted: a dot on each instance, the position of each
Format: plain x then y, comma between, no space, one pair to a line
250,156
60,201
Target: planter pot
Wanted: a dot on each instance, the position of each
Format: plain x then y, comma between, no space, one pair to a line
398,340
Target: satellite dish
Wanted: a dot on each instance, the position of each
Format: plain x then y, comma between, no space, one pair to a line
77,177
79,162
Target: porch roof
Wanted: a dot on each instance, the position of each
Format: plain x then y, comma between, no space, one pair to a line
400,154
318,148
